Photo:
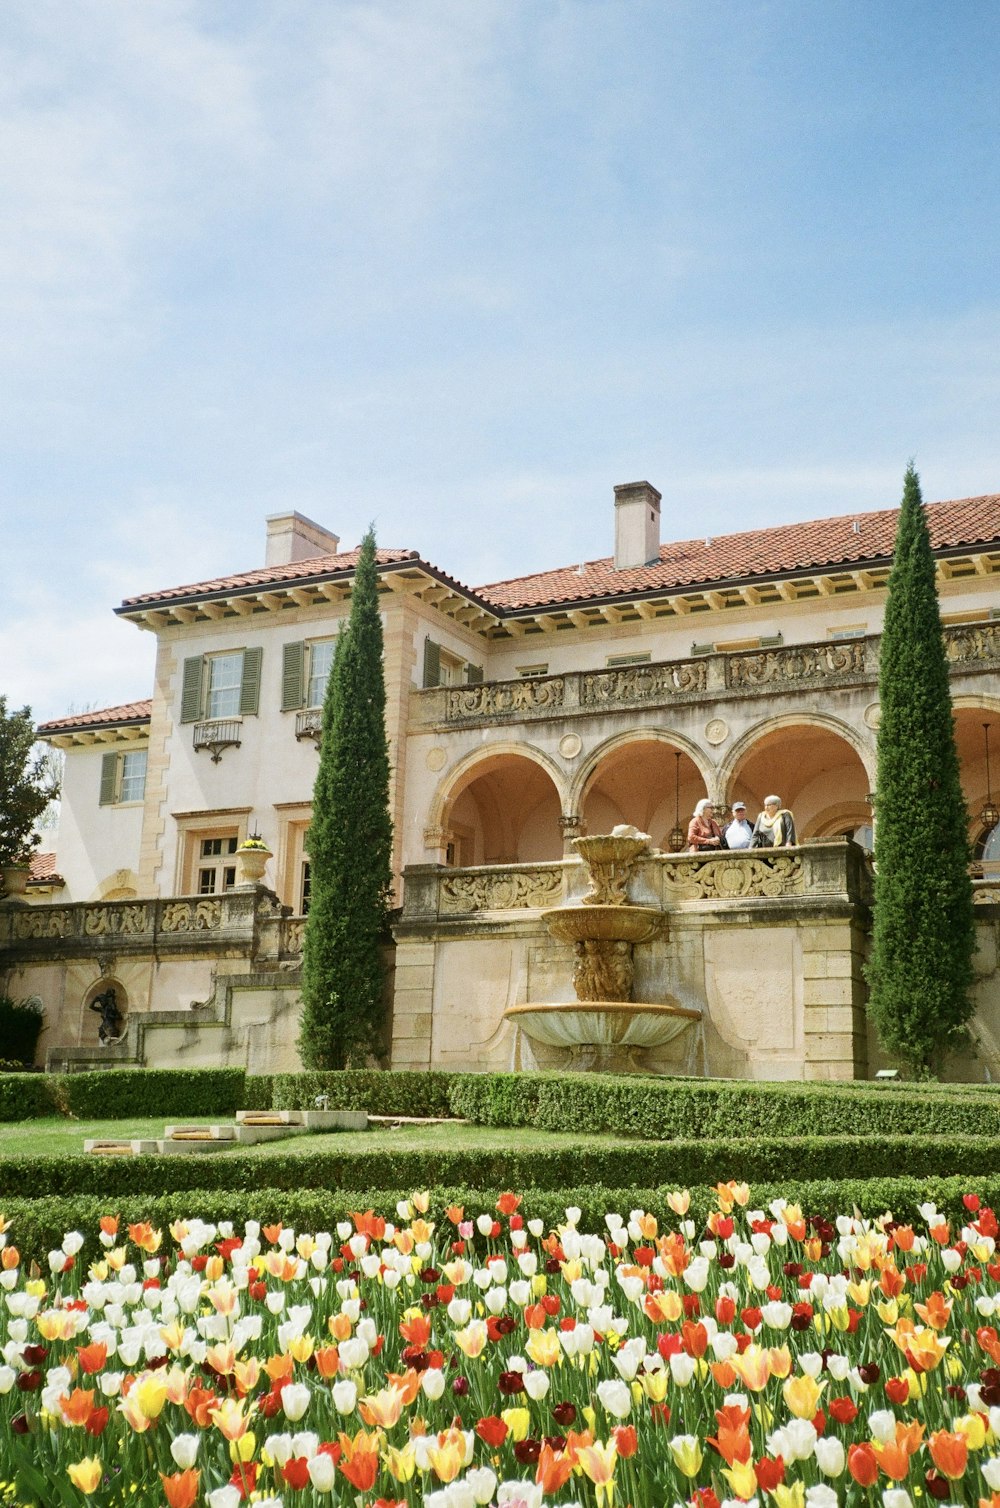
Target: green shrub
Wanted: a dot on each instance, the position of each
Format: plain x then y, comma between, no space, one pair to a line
667,1109
378,1091
675,1164
123,1093
21,1023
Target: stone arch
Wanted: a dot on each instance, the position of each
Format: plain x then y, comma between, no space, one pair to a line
630,777
501,804
970,713
821,768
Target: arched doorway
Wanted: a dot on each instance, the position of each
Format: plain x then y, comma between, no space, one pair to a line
504,809
976,728
638,780
815,769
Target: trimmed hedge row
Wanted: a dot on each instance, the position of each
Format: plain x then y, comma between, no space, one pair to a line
668,1109
647,1164
38,1225
396,1092
122,1093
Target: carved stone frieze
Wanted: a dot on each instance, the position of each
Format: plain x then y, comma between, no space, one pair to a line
636,684
799,662
604,970
507,890
293,936
972,641
40,921
191,916
116,921
506,698
730,879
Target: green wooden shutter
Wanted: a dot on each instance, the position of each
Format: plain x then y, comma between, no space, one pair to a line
192,696
432,663
109,774
474,675
250,687
293,670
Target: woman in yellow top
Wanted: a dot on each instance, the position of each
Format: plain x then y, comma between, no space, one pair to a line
775,827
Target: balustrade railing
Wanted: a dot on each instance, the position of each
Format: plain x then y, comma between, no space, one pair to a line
834,662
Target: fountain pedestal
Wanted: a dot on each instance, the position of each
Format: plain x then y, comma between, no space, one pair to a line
604,1028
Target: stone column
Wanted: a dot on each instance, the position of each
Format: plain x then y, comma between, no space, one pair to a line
572,826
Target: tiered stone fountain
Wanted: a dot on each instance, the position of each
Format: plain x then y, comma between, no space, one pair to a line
604,1028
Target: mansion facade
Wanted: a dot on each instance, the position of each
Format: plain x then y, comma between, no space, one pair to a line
519,715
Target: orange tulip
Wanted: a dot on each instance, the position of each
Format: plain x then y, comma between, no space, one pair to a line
109,1225
327,1360
145,1237
555,1467
181,1489
359,1459
950,1453
92,1357
199,1403
733,1438
271,1233
77,1407
416,1330
381,1409
862,1465
9,1258
936,1312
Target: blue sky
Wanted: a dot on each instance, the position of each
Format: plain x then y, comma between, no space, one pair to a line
459,266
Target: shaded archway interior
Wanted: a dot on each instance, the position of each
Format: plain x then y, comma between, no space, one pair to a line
814,771
635,783
505,811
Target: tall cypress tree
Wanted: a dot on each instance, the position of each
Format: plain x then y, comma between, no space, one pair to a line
350,845
920,970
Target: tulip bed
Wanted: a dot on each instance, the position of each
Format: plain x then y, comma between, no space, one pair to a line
463,1356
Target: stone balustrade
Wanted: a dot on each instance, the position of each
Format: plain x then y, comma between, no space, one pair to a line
794,667
248,922
836,868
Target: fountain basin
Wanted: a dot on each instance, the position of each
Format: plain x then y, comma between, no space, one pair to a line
602,1023
601,923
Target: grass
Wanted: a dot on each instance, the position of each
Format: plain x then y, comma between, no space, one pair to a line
57,1137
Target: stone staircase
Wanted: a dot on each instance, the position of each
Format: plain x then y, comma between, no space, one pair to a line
250,1128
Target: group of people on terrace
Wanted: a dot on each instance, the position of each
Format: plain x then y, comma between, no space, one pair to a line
774,827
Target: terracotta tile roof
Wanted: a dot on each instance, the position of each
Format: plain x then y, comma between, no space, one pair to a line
275,575
43,870
789,548
103,717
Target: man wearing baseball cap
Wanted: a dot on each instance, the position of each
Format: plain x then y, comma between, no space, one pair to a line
740,831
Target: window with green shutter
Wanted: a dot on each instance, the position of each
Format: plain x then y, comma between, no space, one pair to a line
109,778
293,669
432,663
192,692
250,686
474,675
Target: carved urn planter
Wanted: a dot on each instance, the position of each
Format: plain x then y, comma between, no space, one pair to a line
14,879
251,861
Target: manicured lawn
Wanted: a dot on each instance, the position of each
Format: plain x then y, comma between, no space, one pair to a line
57,1137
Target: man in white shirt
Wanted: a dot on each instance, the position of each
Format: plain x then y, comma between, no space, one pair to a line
739,832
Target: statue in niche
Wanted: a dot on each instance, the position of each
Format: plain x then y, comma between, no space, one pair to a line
112,1020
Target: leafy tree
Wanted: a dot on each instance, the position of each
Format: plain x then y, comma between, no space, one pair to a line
350,845
28,782
920,971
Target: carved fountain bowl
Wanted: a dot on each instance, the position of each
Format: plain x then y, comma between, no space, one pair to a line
602,1023
603,848
597,923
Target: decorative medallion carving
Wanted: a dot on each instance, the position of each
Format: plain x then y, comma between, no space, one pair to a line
506,890
972,641
642,683
505,698
802,662
730,879
872,716
570,745
717,731
436,759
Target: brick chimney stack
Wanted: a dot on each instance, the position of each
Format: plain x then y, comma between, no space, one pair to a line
637,525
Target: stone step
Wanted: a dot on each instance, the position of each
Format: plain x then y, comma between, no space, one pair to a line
111,1147
269,1118
200,1133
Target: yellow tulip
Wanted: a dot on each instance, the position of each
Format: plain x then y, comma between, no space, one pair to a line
401,1463
975,1428
802,1395
789,1496
86,1474
741,1479
687,1453
518,1421
243,1448
888,1311
860,1292
300,1347
654,1385
543,1348
150,1394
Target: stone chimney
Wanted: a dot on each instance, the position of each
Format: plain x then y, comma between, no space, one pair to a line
292,537
637,525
